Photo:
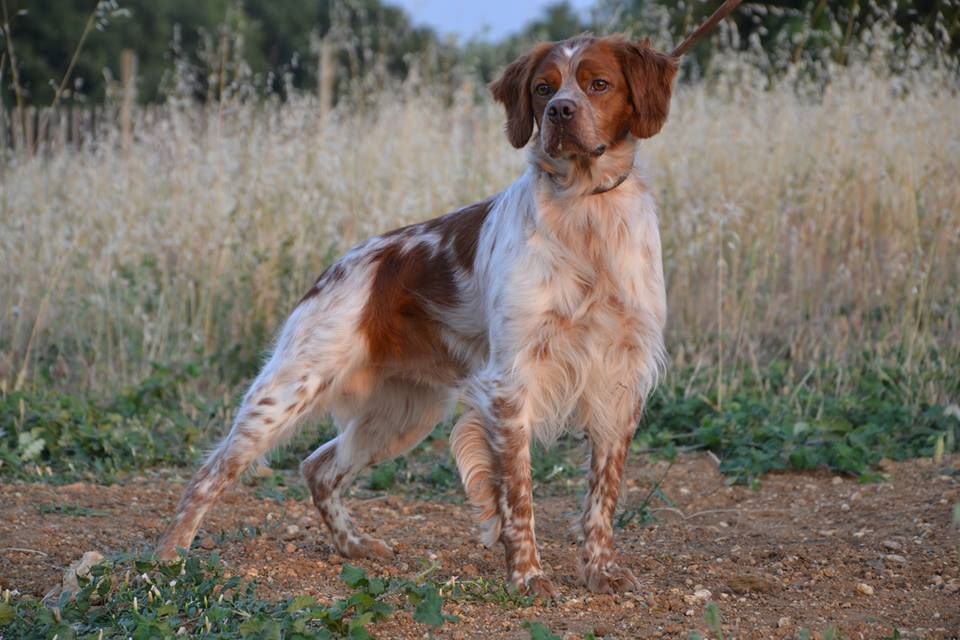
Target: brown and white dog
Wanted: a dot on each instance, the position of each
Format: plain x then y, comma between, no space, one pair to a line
541,307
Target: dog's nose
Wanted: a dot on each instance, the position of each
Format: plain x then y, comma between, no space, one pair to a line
562,109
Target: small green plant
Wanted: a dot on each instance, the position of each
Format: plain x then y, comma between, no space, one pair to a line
832,633
383,476
642,512
539,631
275,487
484,590
711,617
72,510
240,533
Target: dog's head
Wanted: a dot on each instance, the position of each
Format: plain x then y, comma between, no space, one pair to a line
586,94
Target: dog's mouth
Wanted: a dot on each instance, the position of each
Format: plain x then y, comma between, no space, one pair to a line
560,146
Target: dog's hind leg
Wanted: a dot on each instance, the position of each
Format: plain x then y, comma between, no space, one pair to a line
284,393
469,444
398,416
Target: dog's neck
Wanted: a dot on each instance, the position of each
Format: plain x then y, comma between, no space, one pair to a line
580,176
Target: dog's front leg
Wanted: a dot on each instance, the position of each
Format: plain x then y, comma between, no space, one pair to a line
511,441
600,571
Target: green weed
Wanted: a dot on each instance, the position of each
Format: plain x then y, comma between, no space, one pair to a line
72,510
274,487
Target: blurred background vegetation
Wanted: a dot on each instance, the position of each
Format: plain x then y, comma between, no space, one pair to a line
276,45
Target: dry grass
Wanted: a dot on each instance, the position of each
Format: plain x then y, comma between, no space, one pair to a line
812,230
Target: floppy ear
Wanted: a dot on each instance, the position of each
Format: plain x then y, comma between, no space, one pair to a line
649,75
512,89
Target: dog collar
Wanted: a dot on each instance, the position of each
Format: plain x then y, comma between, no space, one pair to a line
616,184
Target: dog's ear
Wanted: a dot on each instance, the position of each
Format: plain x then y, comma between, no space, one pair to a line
512,89
649,75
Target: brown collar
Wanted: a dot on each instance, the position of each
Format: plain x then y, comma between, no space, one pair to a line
616,184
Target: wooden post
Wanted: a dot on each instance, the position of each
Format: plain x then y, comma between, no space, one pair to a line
4,142
30,120
63,127
128,77
326,77
74,127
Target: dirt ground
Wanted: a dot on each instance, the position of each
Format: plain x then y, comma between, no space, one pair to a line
807,550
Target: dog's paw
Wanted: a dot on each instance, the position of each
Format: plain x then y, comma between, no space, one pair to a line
171,548
611,578
539,586
357,547
167,555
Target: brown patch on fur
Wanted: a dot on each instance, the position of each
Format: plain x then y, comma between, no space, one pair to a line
461,231
513,90
309,470
266,402
650,75
331,275
504,409
396,320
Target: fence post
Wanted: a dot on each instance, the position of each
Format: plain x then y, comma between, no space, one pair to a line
30,134
128,77
325,81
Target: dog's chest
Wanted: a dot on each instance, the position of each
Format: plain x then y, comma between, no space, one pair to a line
589,299
587,296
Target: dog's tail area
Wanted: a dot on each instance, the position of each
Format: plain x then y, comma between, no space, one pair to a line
476,463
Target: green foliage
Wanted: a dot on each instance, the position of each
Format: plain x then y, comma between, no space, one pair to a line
142,599
711,617
74,510
275,487
642,513
763,425
206,46
557,465
539,631
487,591
47,433
774,425
786,31
383,476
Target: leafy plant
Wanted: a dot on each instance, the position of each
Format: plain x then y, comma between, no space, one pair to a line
72,510
539,631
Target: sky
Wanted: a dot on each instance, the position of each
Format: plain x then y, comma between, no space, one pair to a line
492,19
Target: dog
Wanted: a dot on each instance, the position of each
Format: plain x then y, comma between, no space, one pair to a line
540,307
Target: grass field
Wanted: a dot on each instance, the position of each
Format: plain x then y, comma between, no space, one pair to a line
811,235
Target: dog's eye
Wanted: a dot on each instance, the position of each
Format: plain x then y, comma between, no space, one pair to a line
543,89
599,86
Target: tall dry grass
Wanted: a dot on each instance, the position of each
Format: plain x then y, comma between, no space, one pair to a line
812,227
